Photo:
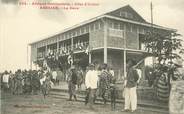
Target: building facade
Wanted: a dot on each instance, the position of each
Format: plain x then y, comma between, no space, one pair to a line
110,38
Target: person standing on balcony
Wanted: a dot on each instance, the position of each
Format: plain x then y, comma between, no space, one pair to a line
130,87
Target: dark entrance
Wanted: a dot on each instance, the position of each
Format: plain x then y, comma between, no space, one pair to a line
81,60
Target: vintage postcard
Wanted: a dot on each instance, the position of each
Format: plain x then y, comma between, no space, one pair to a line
91,56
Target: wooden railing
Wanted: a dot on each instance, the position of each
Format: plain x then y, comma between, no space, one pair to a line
81,46
41,54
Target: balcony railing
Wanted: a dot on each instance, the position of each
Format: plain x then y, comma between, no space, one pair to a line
142,47
41,55
80,46
64,50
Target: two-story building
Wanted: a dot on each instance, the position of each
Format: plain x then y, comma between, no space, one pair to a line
111,38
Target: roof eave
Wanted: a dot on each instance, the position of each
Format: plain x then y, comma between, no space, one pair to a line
140,23
105,16
70,28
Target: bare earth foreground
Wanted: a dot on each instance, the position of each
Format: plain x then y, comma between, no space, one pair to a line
36,104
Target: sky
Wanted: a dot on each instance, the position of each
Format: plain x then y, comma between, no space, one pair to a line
20,25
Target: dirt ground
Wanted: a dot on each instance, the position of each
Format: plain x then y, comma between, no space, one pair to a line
36,104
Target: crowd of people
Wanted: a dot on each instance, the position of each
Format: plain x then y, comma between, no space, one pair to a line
22,81
99,80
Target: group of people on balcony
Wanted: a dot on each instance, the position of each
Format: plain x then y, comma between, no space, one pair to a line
64,49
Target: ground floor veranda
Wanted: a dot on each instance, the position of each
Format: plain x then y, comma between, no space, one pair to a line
115,58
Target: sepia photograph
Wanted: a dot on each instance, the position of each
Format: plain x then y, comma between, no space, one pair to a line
91,57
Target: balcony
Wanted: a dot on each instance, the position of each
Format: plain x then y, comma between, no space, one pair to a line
143,48
65,50
41,55
82,46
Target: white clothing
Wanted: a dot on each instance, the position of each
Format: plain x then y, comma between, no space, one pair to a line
140,74
6,78
52,84
112,73
91,79
54,75
130,98
42,80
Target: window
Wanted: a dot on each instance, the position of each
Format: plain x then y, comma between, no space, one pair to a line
78,32
87,28
64,36
111,25
96,26
91,27
121,26
115,25
75,33
128,27
99,25
82,30
141,44
129,15
123,13
60,37
70,34
126,14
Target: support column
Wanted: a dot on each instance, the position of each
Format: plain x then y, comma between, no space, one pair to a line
31,66
105,40
72,52
124,52
89,57
57,46
46,49
89,48
124,61
72,44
